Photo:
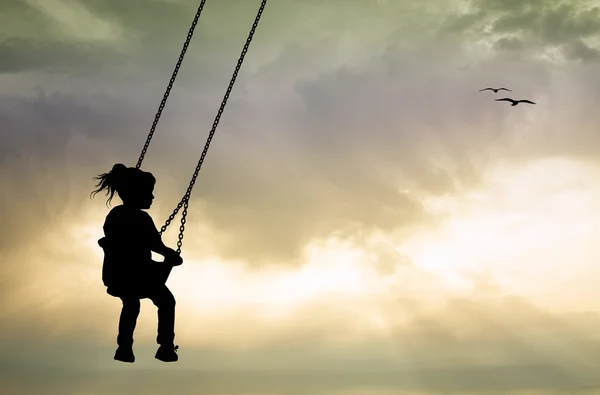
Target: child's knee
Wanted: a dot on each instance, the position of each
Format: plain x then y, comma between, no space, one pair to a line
169,300
166,300
132,305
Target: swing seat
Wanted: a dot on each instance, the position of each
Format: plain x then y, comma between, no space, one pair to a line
157,272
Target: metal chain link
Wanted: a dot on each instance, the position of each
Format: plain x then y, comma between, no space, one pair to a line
163,102
186,198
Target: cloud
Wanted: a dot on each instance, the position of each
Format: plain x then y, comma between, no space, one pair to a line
554,25
355,143
318,155
90,39
535,26
50,119
150,41
24,55
469,345
509,43
579,50
76,21
462,22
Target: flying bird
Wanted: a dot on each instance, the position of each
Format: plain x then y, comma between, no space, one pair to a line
494,89
515,102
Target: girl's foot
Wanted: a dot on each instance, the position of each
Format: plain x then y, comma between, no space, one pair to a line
125,354
167,353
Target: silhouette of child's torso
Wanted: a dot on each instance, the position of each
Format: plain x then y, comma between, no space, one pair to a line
130,233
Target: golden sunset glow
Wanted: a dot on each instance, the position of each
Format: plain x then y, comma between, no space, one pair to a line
366,220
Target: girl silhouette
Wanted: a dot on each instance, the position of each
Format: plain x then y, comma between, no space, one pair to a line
128,271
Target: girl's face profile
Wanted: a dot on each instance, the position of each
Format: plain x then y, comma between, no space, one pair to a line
139,194
146,196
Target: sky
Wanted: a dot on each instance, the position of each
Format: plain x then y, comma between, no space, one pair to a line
365,222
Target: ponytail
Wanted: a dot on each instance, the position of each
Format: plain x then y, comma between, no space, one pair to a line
111,182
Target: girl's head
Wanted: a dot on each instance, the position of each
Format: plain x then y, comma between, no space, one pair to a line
134,186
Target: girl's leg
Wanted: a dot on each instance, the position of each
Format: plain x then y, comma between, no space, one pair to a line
127,321
164,300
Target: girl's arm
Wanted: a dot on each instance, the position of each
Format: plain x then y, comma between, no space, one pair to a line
171,256
157,245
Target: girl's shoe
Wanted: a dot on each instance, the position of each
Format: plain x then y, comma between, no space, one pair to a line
167,353
125,354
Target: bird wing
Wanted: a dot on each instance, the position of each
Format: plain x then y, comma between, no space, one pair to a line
505,99
526,101
486,89
504,89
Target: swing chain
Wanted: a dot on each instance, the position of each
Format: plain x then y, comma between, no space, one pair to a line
163,102
186,198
